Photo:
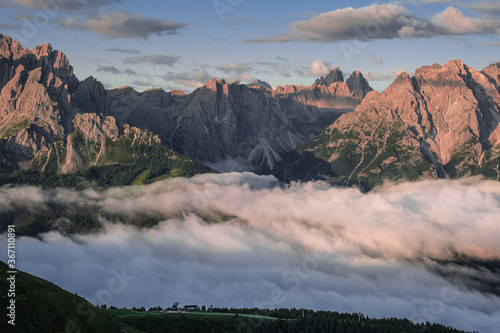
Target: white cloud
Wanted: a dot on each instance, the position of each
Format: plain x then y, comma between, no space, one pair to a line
376,60
240,77
122,50
157,59
141,83
119,24
194,79
454,21
109,69
9,25
237,67
129,71
386,21
234,239
64,5
484,7
373,76
318,68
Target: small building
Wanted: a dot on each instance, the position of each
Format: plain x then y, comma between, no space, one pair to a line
174,307
191,307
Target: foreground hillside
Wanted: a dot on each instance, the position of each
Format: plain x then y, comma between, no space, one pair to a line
41,306
441,123
44,307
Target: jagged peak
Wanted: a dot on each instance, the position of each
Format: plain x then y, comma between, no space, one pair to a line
92,82
454,62
43,50
10,48
456,65
403,78
336,69
287,89
5,39
213,82
90,78
358,85
335,75
493,66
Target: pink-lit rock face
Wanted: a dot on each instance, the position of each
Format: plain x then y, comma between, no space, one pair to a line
449,113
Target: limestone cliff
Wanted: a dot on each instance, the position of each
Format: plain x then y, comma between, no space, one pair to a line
442,122
50,122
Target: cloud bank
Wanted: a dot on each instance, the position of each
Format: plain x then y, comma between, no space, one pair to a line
157,59
385,21
120,24
427,251
63,5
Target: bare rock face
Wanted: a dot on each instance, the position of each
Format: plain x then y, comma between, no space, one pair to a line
10,49
36,88
45,111
335,75
443,122
358,85
51,122
222,121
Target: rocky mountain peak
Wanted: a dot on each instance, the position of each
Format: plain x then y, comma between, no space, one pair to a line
213,83
10,49
287,89
44,50
456,65
492,72
443,122
358,85
335,75
403,78
90,96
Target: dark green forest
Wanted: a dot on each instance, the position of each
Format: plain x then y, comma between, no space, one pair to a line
223,320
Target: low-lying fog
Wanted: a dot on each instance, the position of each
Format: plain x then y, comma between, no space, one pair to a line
428,251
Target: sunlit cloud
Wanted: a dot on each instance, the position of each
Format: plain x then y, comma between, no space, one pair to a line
385,21
119,24
234,239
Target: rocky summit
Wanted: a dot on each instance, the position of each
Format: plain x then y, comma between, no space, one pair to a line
220,121
44,108
51,123
442,122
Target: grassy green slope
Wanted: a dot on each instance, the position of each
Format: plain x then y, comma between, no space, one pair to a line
44,307
125,163
356,155
290,321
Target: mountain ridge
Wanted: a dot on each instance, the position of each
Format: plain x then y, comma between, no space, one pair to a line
217,122
442,122
52,123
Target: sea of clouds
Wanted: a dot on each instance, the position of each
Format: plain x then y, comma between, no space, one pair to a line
427,251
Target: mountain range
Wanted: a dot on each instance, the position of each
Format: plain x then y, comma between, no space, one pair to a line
441,122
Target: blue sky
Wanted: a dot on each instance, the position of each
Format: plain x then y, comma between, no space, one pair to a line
181,44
